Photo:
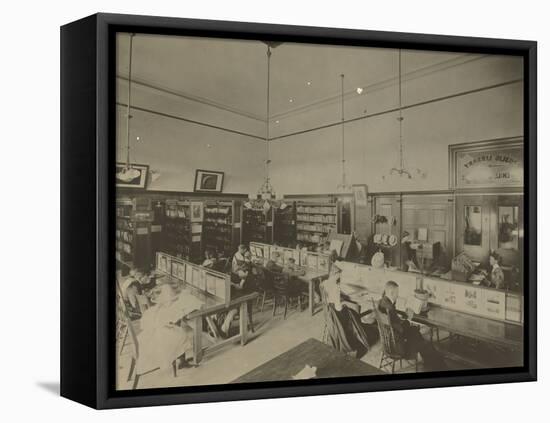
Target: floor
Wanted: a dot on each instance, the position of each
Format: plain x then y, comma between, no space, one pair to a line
272,336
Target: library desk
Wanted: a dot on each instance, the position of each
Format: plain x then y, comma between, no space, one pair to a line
483,329
311,277
328,361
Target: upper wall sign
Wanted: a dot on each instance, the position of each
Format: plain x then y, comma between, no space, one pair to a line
486,164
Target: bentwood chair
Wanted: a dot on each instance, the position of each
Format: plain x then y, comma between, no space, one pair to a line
391,353
283,293
265,288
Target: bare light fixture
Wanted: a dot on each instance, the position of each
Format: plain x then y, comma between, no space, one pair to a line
343,187
402,171
128,172
359,90
266,191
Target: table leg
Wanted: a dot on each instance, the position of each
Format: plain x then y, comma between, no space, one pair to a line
197,340
243,322
311,299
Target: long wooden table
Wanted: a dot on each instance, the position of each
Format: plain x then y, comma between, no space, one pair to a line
329,363
499,332
212,306
311,277
195,318
480,328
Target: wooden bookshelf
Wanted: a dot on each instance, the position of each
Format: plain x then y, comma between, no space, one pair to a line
181,232
133,233
284,225
314,221
221,227
257,225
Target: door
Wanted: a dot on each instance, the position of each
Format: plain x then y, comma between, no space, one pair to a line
473,226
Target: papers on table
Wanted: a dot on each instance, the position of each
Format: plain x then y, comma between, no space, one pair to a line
308,372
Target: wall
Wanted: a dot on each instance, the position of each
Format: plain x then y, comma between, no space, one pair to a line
176,148
372,144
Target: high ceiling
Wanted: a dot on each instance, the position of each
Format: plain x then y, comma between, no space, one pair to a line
232,74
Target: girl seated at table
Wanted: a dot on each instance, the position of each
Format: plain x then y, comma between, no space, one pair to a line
164,336
345,330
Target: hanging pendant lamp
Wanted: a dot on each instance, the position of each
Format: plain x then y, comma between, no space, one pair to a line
401,171
266,191
129,173
343,187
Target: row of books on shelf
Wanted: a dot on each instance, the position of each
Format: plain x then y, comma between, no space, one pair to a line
124,224
177,226
218,220
123,235
221,210
328,209
321,218
315,228
311,237
124,246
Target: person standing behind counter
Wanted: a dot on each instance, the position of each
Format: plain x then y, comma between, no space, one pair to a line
496,279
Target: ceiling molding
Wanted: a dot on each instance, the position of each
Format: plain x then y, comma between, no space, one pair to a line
192,98
419,73
369,89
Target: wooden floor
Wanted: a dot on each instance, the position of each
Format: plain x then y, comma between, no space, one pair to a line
273,336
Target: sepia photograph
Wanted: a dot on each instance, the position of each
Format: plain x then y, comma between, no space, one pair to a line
315,211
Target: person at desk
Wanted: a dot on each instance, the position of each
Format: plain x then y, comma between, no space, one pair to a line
292,269
273,267
210,260
165,337
346,332
240,265
408,338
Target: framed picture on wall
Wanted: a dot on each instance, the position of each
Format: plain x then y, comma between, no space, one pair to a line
131,176
196,211
112,366
360,195
208,181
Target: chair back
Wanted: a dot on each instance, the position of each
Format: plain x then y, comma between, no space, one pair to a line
324,300
281,283
223,265
387,334
123,322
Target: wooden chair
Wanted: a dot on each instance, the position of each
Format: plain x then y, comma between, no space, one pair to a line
391,352
265,288
325,305
283,292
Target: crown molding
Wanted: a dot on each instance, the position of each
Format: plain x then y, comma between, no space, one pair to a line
389,82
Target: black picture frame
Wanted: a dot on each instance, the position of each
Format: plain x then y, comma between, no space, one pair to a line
139,182
201,185
87,179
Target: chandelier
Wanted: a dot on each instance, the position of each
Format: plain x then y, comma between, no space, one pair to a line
127,173
266,191
402,171
343,187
